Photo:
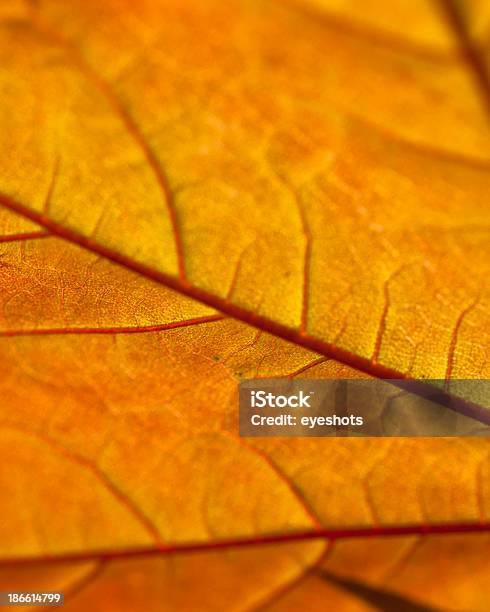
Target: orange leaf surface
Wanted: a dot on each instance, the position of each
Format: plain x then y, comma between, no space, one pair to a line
122,393
273,159
196,193
289,576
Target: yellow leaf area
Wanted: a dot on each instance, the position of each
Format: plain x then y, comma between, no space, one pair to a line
193,193
473,17
257,157
119,435
398,574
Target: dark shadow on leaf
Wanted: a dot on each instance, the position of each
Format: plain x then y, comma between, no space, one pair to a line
386,601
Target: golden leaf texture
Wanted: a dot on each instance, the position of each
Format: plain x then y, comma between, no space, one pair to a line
196,193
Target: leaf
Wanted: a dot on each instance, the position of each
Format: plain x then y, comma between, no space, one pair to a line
470,20
289,576
188,200
272,159
131,425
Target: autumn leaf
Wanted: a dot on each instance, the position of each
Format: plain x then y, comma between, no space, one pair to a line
197,193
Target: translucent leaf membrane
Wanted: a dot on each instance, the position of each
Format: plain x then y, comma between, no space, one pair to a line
474,24
120,400
379,199
420,573
196,193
